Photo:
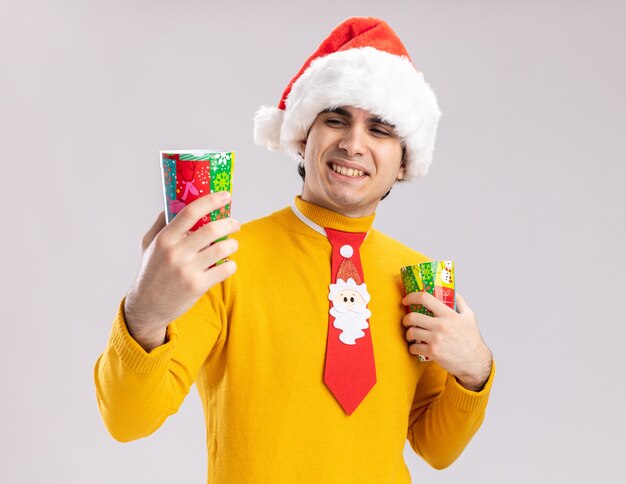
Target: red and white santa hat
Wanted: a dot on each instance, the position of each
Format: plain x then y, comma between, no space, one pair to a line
363,64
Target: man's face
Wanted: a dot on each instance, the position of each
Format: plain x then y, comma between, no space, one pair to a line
351,160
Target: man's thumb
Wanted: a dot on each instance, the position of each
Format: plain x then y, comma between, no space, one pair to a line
461,305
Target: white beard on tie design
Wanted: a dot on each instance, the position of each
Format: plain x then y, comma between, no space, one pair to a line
349,309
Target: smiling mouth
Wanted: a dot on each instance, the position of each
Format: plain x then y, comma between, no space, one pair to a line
342,170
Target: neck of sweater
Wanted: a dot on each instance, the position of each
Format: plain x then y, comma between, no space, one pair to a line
326,218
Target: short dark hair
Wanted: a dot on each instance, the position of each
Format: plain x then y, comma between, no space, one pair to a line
302,172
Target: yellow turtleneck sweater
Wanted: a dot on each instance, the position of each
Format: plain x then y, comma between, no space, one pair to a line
255,347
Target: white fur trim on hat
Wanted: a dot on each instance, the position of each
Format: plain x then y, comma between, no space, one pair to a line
384,84
267,126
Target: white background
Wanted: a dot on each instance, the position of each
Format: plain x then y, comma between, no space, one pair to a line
524,194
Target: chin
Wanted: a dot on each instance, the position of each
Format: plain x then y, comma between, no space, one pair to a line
346,199
345,194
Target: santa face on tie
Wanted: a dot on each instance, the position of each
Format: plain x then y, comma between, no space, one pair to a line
349,309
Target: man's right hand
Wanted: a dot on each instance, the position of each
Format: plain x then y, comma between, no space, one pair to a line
174,270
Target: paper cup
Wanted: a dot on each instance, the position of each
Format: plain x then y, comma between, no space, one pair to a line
436,278
190,174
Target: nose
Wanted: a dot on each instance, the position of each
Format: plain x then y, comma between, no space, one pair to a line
353,141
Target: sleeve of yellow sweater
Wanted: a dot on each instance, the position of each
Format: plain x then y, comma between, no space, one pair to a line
136,390
445,416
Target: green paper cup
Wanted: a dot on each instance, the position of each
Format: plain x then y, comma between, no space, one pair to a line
436,278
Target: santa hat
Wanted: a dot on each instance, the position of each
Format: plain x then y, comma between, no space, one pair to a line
363,64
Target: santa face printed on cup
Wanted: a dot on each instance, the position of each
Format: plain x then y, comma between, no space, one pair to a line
349,309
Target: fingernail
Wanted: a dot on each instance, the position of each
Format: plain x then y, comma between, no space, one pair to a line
224,196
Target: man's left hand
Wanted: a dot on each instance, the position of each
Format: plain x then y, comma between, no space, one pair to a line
449,338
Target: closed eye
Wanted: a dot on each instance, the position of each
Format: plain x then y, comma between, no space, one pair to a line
380,132
335,122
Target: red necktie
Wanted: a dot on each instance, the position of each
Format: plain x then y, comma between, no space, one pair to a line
350,372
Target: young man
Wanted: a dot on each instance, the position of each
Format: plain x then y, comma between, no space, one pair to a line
302,353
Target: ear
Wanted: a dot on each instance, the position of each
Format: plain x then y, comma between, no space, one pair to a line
401,171
302,148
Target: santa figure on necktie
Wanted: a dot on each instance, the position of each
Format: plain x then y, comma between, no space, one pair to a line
349,298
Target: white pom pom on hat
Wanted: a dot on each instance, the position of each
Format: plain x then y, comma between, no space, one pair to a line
363,64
